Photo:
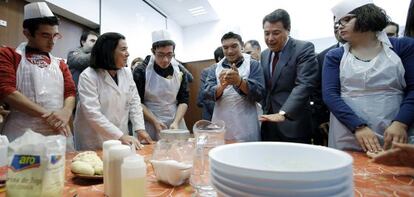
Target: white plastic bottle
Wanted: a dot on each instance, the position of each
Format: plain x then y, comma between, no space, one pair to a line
4,143
133,172
106,145
116,156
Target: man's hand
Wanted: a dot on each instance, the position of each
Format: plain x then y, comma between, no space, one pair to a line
396,132
272,118
3,113
144,136
367,139
222,75
232,76
158,125
57,119
174,125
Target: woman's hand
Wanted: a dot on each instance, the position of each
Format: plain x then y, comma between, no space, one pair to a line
396,132
144,136
367,139
130,141
399,155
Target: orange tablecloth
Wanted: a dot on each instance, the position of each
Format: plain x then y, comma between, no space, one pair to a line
371,180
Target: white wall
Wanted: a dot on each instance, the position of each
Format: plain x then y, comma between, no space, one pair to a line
88,9
177,35
135,20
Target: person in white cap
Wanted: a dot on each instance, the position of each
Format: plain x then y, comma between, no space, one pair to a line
37,86
368,83
162,86
108,98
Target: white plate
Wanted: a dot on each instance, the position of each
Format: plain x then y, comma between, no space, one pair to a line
281,160
297,192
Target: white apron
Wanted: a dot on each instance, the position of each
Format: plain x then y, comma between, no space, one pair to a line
239,114
373,90
42,84
161,96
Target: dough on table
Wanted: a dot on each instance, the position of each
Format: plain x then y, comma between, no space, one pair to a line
374,154
92,159
81,167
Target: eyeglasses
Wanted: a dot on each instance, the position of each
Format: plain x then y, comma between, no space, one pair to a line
53,37
163,55
344,20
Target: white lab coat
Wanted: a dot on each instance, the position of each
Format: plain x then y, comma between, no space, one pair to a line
103,107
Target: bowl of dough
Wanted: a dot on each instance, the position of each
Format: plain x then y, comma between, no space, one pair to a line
87,165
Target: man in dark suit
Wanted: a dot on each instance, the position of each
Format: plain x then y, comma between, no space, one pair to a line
291,72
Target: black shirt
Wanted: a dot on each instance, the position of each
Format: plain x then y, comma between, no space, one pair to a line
139,78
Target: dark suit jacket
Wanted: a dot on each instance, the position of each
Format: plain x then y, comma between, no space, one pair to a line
297,72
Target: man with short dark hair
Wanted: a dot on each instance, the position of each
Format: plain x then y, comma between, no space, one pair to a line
236,85
37,86
78,59
162,86
291,73
392,29
252,47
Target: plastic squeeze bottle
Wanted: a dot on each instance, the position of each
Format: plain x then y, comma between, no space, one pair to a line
133,173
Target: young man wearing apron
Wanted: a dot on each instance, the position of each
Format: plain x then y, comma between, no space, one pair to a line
37,86
236,85
162,87
368,84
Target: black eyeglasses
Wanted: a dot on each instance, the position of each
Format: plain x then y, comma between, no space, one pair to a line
344,20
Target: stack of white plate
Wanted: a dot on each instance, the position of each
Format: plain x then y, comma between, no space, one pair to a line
280,169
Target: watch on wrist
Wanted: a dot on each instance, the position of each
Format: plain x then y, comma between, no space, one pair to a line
282,113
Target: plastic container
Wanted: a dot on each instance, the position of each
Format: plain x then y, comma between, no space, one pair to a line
4,143
116,155
133,172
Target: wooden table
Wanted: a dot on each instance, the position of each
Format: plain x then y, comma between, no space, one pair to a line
371,180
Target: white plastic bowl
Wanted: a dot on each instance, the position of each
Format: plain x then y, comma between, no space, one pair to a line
280,161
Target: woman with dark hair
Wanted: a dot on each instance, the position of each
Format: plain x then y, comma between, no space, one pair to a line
108,97
368,84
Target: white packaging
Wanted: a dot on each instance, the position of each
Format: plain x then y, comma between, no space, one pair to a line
37,165
4,143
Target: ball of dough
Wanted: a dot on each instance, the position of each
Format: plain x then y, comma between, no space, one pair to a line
81,167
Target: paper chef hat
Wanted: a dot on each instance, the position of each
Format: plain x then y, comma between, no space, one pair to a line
37,10
345,6
160,35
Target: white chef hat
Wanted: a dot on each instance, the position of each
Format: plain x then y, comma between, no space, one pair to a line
160,35
345,6
37,10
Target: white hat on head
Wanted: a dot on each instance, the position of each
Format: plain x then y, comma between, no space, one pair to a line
345,6
160,35
37,10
